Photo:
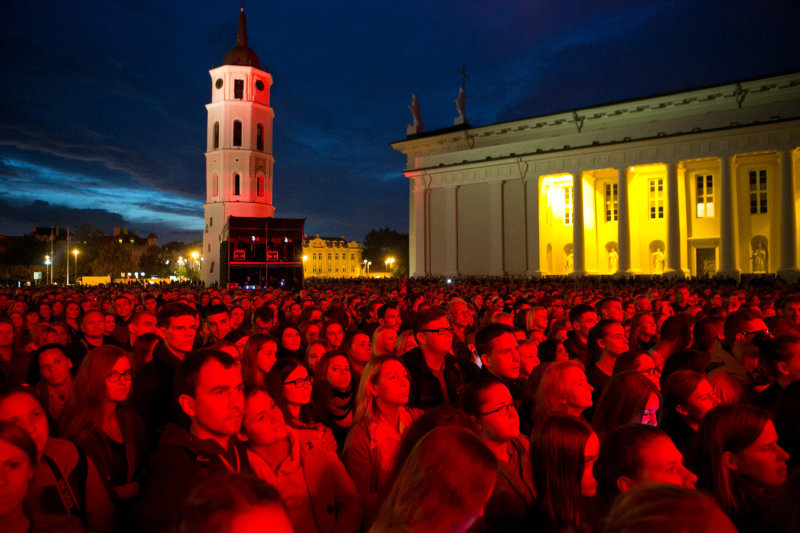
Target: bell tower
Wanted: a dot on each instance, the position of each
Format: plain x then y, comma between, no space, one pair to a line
239,157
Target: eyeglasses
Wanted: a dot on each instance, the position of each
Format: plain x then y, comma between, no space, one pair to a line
115,376
764,332
652,371
503,410
438,331
301,381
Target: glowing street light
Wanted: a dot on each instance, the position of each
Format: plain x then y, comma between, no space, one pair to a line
75,253
389,263
47,266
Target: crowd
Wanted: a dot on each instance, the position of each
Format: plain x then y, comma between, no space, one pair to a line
481,405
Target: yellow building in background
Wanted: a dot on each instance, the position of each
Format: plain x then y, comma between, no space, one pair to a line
331,257
698,183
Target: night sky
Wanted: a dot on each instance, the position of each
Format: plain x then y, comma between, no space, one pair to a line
102,116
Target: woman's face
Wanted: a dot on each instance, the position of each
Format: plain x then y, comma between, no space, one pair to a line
297,395
73,310
312,333
590,452
334,334
338,374
237,317
109,323
528,358
499,419
650,410
62,336
645,365
392,386
615,341
315,353
577,391
263,420
57,307
388,339
118,380
361,349
15,475
763,462
265,357
648,326
290,339
55,367
27,413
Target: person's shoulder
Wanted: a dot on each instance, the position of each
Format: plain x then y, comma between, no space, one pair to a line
62,451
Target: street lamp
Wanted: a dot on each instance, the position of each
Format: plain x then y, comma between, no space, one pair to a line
389,263
47,266
75,253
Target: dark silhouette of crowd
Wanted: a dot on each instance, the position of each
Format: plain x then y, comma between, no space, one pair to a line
421,405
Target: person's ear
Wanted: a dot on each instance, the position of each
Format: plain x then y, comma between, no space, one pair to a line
485,361
187,405
162,332
372,389
624,483
729,461
782,367
601,343
681,410
69,363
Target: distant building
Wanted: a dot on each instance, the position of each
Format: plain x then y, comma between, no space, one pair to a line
239,164
332,257
701,182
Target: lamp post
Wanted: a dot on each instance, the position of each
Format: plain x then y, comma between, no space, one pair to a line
389,263
195,255
75,253
47,266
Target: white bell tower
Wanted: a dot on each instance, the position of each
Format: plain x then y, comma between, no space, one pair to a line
239,147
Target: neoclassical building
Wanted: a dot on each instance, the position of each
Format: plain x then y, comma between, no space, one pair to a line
693,183
331,257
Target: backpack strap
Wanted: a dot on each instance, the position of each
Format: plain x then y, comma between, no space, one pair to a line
74,503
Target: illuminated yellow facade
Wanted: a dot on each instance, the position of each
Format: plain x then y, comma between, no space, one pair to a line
331,257
696,183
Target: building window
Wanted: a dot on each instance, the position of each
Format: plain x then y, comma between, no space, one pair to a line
237,182
215,184
211,222
329,258
237,133
352,257
211,270
705,196
655,197
260,185
568,210
337,257
216,135
758,191
612,202
259,137
238,89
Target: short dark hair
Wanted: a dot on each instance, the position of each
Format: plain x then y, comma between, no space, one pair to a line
264,313
193,362
425,317
173,310
217,309
487,334
737,321
385,307
579,310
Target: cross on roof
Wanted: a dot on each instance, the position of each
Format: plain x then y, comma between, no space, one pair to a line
463,74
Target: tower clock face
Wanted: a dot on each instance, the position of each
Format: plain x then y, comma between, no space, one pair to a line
259,85
219,83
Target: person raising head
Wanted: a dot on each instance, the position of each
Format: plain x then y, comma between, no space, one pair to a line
629,398
562,389
434,492
333,394
18,461
688,396
258,358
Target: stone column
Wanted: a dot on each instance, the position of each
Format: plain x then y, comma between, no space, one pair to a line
788,229
532,234
673,222
578,258
451,246
494,216
417,232
727,222
623,224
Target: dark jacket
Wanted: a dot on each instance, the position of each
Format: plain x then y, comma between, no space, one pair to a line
425,389
181,462
576,348
152,392
514,386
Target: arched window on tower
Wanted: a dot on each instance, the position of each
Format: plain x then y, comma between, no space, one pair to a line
215,184
237,132
260,185
259,137
237,183
216,135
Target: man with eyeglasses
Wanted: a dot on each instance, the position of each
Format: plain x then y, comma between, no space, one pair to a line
434,373
744,332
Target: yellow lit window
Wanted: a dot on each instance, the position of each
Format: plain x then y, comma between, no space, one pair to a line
612,202
705,196
568,210
758,191
655,197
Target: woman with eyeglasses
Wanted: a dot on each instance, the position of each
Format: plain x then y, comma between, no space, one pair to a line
290,384
382,418
490,405
688,396
97,419
640,362
629,398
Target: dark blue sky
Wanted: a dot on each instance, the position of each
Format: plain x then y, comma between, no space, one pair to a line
102,116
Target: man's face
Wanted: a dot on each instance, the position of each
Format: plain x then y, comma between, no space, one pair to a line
263,326
219,325
55,367
123,307
663,463
791,313
93,325
218,404
586,322
150,305
6,334
391,319
460,315
503,357
361,350
179,335
439,338
682,295
613,310
643,304
145,323
747,351
614,341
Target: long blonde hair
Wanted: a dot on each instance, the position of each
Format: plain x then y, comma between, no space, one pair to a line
366,408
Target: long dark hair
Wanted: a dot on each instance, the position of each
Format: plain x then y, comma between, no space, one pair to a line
274,384
623,401
322,393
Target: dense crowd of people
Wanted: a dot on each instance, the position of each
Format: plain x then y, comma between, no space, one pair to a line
422,405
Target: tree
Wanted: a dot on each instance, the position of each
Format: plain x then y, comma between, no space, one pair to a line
112,259
380,244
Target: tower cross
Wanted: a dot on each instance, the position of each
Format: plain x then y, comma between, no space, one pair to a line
463,74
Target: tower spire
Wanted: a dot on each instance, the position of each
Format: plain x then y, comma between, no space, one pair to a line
241,34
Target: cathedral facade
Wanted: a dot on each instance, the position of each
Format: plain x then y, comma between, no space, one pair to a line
695,183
